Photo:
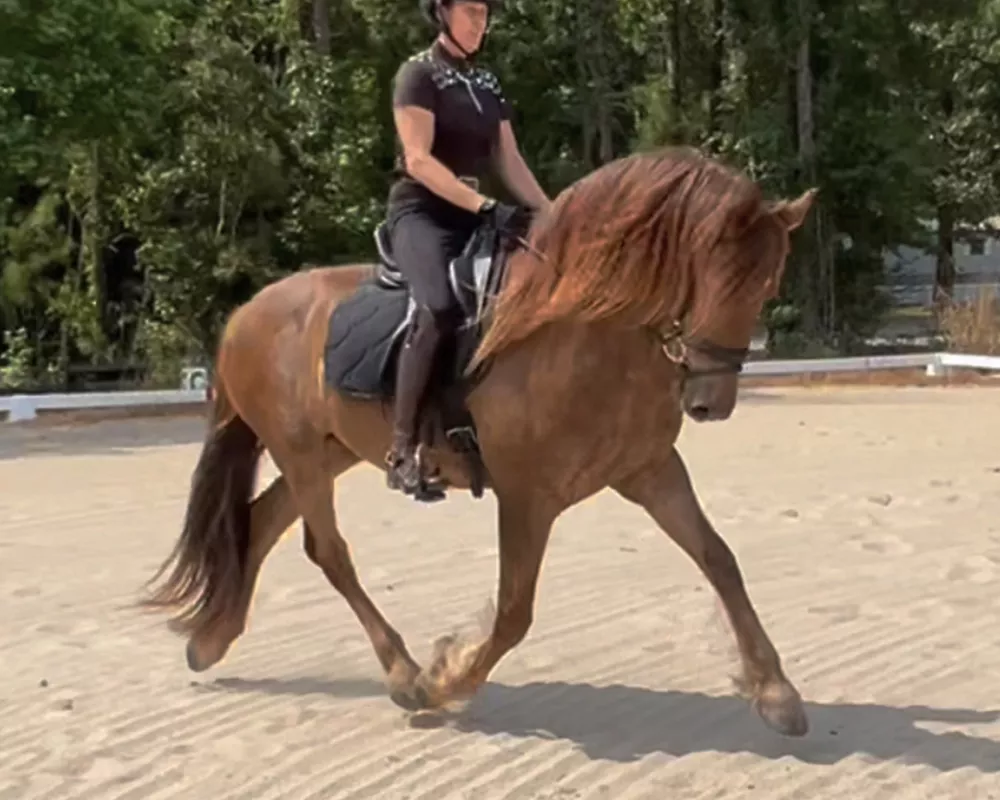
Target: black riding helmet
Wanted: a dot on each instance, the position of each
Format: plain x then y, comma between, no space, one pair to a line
432,12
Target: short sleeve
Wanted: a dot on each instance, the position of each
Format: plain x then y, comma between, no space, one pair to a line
414,86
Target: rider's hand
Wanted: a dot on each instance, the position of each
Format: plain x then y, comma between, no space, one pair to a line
507,219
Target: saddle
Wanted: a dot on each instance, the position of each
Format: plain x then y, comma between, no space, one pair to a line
367,330
475,275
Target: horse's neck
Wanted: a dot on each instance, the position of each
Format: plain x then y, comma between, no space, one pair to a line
596,379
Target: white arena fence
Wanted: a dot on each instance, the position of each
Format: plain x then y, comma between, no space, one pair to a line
22,407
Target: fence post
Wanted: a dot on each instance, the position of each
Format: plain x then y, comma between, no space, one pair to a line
935,369
22,408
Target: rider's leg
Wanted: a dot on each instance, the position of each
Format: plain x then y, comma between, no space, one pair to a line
416,360
423,248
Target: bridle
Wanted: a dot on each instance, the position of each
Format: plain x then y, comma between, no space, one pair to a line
675,346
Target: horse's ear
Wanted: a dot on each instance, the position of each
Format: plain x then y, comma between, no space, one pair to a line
792,213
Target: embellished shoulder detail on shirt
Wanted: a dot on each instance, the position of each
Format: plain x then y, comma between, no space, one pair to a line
445,76
423,55
485,79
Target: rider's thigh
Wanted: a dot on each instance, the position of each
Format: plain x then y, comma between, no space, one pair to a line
422,248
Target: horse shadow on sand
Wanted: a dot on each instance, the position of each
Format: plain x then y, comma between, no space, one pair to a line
625,723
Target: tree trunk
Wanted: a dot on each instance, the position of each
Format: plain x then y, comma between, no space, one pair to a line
584,88
944,271
603,85
676,73
803,95
717,70
321,25
816,271
92,267
304,15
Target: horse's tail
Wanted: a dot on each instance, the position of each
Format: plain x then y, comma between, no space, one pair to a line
209,559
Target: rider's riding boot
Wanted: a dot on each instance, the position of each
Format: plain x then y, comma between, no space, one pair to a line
404,470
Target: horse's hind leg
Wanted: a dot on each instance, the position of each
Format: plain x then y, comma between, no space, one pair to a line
666,493
271,513
326,548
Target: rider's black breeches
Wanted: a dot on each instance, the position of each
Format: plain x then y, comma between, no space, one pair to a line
424,244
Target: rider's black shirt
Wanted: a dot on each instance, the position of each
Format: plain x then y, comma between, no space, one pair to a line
468,106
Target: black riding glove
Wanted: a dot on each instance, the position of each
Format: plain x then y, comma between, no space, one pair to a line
513,221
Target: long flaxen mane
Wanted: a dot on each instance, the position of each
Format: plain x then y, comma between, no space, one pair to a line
624,242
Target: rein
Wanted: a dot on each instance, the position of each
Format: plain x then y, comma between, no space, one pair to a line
676,345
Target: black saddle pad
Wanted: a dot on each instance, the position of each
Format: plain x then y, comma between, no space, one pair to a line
364,333
366,330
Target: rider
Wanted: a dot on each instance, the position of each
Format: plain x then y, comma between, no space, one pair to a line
451,119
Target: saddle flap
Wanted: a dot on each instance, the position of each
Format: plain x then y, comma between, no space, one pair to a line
471,271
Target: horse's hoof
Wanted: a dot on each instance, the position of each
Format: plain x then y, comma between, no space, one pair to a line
780,706
430,492
412,698
423,491
195,664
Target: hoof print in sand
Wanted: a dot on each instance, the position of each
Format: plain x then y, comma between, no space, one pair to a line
881,543
974,569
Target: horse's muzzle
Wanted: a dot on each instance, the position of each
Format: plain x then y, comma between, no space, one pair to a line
710,398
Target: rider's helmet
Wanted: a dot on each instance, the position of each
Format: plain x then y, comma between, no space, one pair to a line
432,12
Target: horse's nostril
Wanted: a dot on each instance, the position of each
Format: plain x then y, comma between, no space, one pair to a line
699,413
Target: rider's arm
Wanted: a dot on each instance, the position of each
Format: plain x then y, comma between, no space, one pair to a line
515,171
413,110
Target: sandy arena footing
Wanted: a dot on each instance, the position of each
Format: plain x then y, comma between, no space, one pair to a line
866,521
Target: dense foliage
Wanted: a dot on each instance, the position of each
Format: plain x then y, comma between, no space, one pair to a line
160,160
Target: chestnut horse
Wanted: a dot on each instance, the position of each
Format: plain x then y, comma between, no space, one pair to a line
633,303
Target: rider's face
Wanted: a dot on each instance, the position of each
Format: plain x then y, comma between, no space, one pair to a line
467,20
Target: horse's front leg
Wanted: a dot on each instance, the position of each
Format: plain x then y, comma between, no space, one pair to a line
665,491
459,668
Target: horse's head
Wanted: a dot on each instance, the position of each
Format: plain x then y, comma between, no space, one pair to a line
732,279
668,241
